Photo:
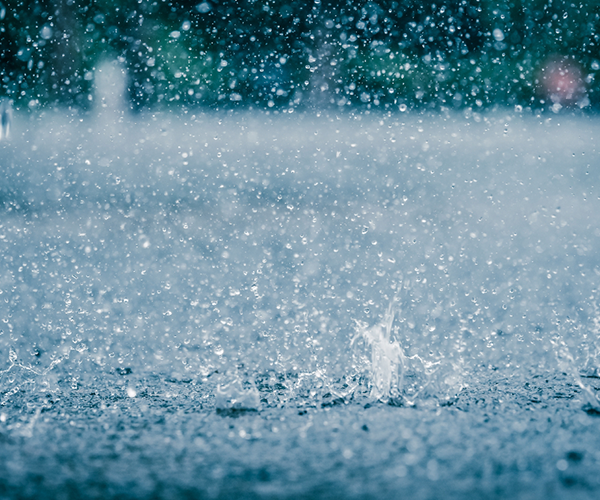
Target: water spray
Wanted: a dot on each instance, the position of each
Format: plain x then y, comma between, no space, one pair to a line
388,362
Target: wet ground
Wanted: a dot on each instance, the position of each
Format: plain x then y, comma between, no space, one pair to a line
499,439
179,297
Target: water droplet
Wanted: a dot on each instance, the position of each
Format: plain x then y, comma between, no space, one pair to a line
203,7
46,32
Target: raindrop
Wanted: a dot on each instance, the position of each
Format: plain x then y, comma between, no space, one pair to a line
203,7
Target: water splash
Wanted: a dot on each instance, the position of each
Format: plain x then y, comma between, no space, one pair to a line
18,374
388,361
568,365
233,395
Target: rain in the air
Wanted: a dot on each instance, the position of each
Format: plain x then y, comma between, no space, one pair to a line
266,249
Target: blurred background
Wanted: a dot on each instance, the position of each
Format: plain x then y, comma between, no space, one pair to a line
277,54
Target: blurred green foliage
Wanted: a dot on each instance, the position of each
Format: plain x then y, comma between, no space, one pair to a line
261,53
